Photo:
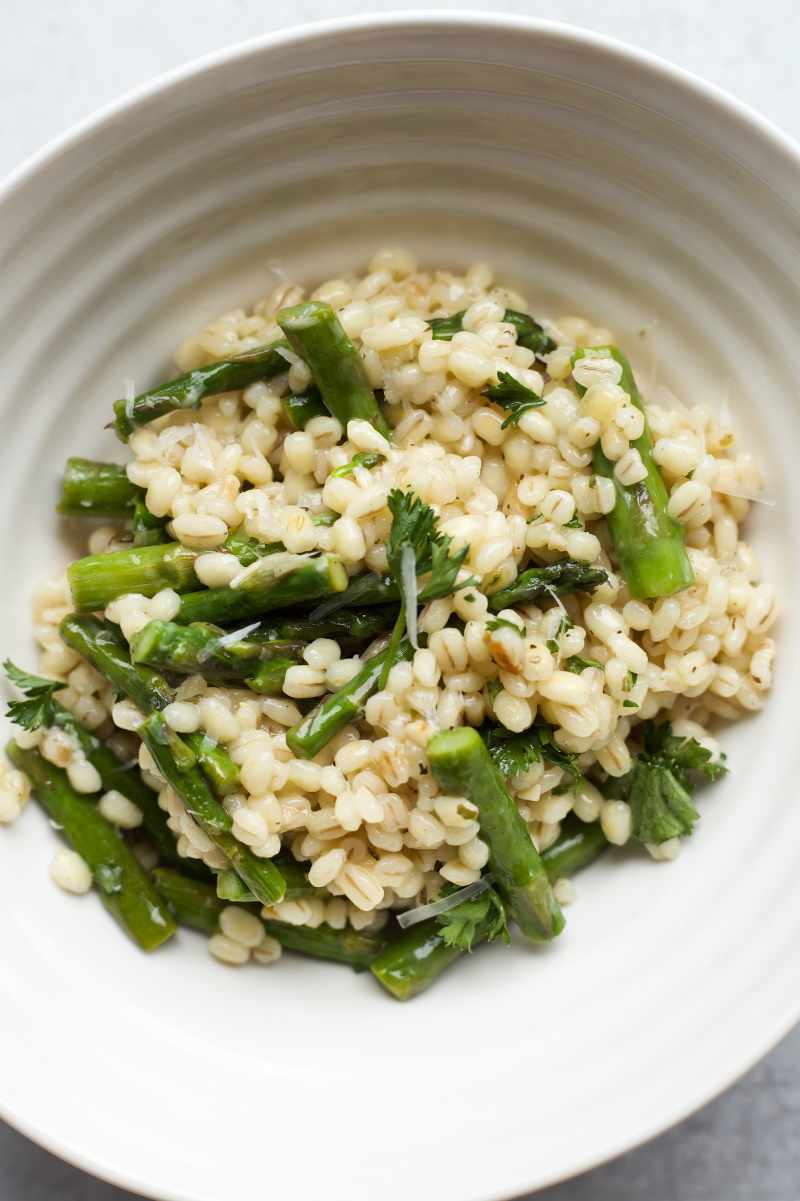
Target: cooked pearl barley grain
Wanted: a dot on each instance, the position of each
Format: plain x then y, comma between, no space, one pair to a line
120,811
70,872
241,926
227,950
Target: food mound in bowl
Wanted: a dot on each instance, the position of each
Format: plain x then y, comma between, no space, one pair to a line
406,606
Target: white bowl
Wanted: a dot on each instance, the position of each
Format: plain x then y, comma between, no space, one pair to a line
604,182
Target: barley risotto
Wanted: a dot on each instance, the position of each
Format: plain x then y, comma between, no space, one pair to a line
407,604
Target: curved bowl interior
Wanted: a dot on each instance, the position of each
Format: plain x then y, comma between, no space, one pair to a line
601,184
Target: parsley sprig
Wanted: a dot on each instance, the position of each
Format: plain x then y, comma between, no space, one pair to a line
514,396
417,548
484,913
513,754
37,708
659,786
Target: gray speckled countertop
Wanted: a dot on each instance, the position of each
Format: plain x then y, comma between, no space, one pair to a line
57,64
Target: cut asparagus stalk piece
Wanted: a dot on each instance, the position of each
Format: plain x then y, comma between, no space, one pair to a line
316,334
555,579
274,582
189,390
462,767
649,544
336,711
124,886
92,489
260,875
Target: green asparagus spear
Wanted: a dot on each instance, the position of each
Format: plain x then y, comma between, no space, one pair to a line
123,778
215,762
556,578
103,645
529,333
91,489
461,765
315,333
567,576
648,543
231,888
300,409
260,875
358,625
96,580
336,711
274,582
148,530
202,647
269,676
578,844
356,947
41,710
105,648
412,962
124,886
196,904
366,589
187,391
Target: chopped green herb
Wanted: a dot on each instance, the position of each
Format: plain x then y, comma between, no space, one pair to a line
513,754
629,705
552,646
444,328
658,787
574,523
629,681
461,923
511,394
497,623
577,664
37,708
417,548
414,524
364,458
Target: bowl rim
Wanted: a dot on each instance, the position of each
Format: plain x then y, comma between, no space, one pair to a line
613,49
